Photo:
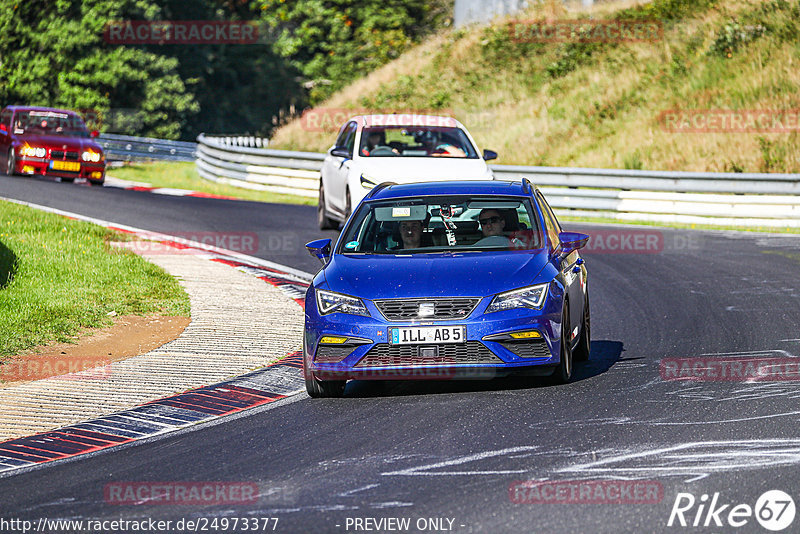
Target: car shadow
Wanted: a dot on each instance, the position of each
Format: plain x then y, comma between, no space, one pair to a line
604,354
8,265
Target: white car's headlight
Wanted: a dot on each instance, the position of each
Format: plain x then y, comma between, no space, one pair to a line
367,182
527,297
91,155
330,302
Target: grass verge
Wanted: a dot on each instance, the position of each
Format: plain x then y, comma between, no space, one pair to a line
59,276
183,175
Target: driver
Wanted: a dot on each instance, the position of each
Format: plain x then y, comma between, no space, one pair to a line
375,139
492,226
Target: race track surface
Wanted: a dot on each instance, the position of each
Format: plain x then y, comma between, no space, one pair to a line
452,451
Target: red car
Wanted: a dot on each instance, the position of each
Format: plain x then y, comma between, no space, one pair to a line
48,141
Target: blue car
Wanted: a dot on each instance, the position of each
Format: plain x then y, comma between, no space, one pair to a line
446,280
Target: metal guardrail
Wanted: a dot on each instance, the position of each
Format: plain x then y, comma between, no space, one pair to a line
741,199
129,148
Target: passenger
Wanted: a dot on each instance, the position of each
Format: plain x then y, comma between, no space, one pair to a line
411,234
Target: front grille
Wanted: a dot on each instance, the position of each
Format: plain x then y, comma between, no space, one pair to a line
333,353
528,349
444,308
59,154
455,353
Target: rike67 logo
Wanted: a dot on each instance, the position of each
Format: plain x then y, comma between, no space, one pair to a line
774,510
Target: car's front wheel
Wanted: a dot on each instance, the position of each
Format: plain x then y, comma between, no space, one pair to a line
11,167
323,221
318,389
581,353
563,371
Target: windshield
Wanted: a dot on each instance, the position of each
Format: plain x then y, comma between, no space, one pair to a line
442,224
416,141
49,123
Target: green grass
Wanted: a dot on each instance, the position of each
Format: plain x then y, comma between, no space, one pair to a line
183,175
59,276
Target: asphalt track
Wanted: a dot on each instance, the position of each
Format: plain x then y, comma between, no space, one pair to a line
452,450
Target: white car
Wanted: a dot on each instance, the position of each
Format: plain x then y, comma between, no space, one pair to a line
400,148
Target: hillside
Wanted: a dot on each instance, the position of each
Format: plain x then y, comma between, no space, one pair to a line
606,104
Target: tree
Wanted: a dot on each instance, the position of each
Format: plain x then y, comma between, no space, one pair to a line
332,42
52,53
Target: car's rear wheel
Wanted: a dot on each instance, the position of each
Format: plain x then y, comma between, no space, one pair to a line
323,221
581,353
11,167
563,371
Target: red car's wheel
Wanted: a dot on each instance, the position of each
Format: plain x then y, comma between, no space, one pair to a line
11,168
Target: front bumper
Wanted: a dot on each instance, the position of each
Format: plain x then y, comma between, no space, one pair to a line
488,350
95,172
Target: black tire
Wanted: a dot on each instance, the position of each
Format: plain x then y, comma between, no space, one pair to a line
67,180
348,207
582,351
320,389
11,163
98,183
323,221
563,371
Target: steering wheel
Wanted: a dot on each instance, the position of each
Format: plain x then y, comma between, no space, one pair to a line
382,151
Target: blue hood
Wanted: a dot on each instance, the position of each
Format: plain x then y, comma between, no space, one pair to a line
428,275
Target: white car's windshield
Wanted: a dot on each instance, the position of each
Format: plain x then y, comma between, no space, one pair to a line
440,224
416,141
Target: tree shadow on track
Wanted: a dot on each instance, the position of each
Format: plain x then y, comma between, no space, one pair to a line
604,354
8,265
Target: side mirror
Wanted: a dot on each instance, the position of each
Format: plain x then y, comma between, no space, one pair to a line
571,241
340,152
3,128
94,133
489,155
321,249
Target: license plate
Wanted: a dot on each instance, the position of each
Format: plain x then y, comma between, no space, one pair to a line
418,335
72,166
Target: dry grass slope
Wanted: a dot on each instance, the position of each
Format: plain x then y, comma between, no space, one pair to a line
598,105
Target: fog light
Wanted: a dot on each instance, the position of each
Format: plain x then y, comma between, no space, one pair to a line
531,334
97,175
27,169
333,340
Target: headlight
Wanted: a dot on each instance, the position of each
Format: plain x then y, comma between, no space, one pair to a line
91,155
32,151
330,302
367,182
527,297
